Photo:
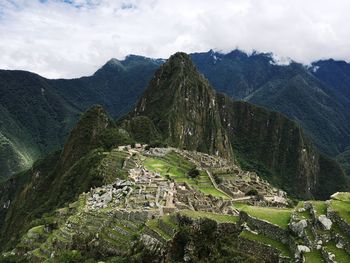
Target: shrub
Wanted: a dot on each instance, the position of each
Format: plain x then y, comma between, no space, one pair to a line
252,191
193,173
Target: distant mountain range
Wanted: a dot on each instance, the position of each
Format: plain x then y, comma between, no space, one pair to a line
37,113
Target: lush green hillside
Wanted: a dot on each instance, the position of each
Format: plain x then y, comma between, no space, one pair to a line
196,118
34,119
344,160
36,113
290,89
59,177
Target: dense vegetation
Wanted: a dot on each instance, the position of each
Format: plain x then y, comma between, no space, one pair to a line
60,177
196,118
37,113
316,97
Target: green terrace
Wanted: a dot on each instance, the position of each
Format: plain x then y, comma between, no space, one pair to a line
277,216
320,207
267,241
175,167
314,257
116,164
302,215
155,225
342,196
340,254
220,218
342,208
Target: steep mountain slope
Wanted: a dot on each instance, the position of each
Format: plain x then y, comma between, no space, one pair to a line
34,119
335,73
36,114
116,85
57,179
289,89
344,160
182,106
321,107
188,114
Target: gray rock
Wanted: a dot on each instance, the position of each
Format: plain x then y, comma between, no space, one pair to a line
301,249
298,227
325,222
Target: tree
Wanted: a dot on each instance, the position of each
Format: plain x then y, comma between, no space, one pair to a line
193,173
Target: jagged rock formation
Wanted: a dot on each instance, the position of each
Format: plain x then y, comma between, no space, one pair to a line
182,105
189,114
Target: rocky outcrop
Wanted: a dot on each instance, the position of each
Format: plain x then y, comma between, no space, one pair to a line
298,227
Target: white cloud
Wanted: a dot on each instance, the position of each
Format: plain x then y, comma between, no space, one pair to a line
59,39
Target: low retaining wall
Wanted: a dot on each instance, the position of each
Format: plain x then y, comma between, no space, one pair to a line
338,220
142,216
166,228
270,230
154,234
262,251
325,256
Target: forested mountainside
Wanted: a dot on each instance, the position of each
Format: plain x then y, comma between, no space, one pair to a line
195,117
315,100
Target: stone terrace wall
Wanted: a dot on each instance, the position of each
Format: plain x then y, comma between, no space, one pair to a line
142,216
270,230
340,221
166,228
265,252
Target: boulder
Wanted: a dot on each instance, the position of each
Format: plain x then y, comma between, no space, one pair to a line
301,249
298,227
325,222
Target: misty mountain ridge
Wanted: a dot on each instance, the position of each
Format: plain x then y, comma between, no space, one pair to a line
319,102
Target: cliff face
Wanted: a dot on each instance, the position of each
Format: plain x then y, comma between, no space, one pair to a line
271,143
189,114
183,107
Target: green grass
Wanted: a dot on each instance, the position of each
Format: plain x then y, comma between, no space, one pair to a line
153,224
340,254
302,215
167,220
339,231
220,218
343,196
37,230
342,209
314,257
267,241
277,216
176,167
320,207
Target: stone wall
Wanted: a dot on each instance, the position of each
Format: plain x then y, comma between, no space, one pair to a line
142,216
228,228
325,256
338,220
166,228
150,232
270,230
261,251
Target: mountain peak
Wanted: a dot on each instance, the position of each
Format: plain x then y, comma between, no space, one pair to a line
182,105
84,136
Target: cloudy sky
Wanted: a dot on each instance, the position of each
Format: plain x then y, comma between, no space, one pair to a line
71,38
